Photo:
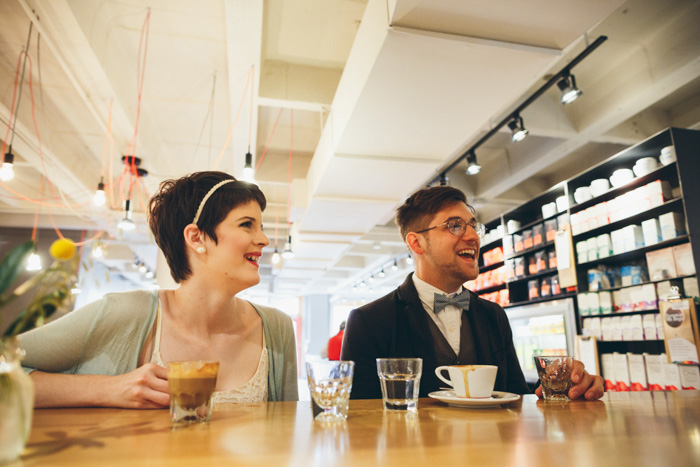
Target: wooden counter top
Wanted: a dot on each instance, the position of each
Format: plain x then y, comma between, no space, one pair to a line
659,428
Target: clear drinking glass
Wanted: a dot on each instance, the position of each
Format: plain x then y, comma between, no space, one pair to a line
191,386
330,383
555,376
400,380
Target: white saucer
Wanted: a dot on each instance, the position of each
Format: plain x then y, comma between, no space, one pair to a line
497,398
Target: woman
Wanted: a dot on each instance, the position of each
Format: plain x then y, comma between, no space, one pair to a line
112,352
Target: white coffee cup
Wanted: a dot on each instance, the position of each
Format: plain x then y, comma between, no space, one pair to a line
472,381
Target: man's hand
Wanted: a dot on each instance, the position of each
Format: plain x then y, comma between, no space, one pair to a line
589,386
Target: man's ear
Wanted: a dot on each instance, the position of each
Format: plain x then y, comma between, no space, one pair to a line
194,238
415,243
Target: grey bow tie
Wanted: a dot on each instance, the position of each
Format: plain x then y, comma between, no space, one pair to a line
461,300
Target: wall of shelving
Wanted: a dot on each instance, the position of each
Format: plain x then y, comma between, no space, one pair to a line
625,239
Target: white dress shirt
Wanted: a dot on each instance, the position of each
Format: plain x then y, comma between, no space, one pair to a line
449,320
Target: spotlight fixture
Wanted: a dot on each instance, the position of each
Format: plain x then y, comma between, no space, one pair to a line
126,223
473,166
248,173
34,262
371,278
569,91
444,181
382,274
100,199
7,173
276,258
409,260
288,253
518,129
394,267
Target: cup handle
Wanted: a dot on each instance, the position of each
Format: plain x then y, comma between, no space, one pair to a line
438,373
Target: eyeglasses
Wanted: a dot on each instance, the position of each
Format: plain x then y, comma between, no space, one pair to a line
458,226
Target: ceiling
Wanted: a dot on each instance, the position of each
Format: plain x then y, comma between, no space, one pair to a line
371,99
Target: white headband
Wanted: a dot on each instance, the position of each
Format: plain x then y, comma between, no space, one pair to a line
206,197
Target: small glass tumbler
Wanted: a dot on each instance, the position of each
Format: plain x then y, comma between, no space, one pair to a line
400,381
191,386
330,383
555,376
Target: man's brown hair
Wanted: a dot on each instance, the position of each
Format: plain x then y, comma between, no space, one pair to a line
421,206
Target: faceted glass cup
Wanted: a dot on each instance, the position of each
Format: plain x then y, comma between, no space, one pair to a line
191,386
555,376
330,383
400,381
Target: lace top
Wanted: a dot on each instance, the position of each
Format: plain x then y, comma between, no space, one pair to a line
255,390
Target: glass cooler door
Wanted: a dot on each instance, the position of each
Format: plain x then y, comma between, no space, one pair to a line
547,328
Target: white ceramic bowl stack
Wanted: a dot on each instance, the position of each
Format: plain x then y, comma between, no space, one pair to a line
644,166
599,186
582,194
668,155
549,209
621,177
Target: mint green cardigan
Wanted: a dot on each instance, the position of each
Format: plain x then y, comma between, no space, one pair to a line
106,338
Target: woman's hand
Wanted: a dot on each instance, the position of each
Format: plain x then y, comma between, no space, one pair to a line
144,388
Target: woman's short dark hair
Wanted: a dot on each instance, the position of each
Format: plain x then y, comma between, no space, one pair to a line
175,204
421,206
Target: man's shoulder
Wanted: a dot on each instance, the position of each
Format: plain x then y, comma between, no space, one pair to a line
383,305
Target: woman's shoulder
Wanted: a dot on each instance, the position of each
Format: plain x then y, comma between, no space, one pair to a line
138,298
270,314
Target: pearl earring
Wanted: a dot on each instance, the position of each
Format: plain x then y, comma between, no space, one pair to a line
201,250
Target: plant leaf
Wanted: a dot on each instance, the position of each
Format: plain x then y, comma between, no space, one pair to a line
12,264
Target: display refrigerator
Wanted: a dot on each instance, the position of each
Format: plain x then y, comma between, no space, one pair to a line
547,328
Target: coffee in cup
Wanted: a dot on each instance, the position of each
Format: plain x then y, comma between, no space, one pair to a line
472,381
191,386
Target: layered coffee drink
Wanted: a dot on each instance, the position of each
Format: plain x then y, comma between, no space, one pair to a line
191,386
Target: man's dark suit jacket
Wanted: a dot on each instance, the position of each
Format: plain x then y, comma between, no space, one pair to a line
397,325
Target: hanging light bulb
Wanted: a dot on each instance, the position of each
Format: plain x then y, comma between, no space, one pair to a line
7,173
100,199
126,223
288,253
276,257
248,172
371,278
569,91
34,262
518,128
97,252
409,260
149,275
143,269
394,267
473,166
382,274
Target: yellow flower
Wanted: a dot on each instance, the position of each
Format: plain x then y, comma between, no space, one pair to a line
62,249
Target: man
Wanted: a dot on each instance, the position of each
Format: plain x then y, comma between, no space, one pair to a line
443,237
334,344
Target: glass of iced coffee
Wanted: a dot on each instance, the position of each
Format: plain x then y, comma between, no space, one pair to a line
191,386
